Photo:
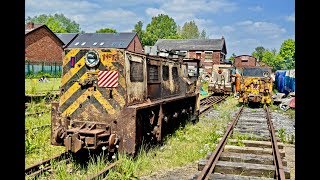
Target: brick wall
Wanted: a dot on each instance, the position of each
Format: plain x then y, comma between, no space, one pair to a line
215,59
245,60
135,45
42,46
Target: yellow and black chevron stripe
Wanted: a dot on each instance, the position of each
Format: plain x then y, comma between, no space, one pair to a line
75,99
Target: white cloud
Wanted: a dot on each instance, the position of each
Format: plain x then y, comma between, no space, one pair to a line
154,12
227,29
89,15
261,27
291,18
255,8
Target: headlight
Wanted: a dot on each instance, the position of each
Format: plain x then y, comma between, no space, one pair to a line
92,58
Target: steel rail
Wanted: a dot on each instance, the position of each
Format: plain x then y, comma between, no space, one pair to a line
214,101
208,168
42,166
103,172
275,150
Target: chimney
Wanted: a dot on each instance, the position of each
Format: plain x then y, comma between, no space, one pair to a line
30,25
222,37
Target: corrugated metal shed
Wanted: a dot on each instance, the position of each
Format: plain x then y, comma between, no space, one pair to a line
190,44
102,40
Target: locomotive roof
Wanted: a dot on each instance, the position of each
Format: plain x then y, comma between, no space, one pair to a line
191,44
102,40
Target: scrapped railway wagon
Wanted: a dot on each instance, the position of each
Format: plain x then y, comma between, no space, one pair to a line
220,80
256,85
115,99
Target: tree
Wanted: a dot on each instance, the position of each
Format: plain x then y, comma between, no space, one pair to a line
258,53
189,31
106,30
232,57
160,27
272,59
203,35
287,52
138,30
57,23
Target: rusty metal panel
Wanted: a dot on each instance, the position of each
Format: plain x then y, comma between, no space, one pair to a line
136,90
154,91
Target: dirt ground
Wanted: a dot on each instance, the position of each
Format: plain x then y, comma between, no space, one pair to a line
179,173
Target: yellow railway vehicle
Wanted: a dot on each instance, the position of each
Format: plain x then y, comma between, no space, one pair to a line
112,98
256,85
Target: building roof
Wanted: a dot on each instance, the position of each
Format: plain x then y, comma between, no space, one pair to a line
191,44
66,38
245,55
34,26
43,26
102,40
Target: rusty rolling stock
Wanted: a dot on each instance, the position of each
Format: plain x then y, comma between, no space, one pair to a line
114,99
256,85
220,81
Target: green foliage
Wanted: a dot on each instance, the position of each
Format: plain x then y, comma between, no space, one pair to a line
189,31
258,53
272,59
138,30
285,59
106,30
203,35
58,23
232,57
160,27
282,135
287,52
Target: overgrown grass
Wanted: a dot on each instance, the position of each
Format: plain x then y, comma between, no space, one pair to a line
37,141
186,145
291,113
33,86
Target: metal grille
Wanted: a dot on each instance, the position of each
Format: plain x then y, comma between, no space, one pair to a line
153,73
255,72
136,71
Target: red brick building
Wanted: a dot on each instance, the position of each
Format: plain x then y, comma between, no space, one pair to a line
42,45
209,51
245,61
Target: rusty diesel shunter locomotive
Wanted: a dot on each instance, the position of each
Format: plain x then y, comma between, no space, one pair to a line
256,85
115,99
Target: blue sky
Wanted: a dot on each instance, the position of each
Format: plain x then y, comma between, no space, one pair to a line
245,24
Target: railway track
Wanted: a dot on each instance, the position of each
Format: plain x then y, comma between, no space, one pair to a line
45,166
260,156
207,102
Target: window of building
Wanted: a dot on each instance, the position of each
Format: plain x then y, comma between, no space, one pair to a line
208,56
153,73
136,70
165,73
